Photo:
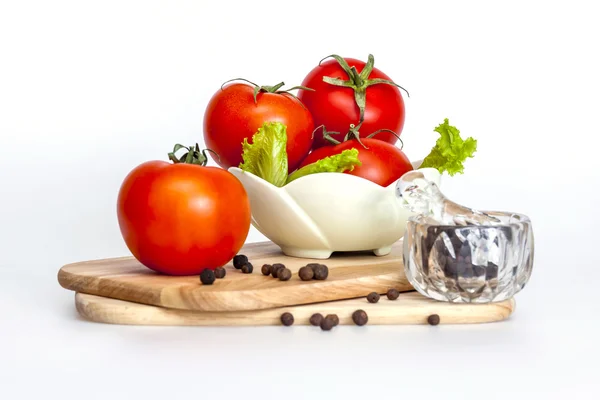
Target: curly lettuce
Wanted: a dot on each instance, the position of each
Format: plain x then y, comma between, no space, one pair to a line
266,156
450,150
345,161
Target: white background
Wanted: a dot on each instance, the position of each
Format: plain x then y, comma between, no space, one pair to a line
90,89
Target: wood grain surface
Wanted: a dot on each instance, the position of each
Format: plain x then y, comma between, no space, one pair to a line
350,275
409,308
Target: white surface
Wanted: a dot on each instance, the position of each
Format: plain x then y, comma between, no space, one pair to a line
305,204
89,90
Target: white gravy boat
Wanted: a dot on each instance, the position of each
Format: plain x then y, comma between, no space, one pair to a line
318,214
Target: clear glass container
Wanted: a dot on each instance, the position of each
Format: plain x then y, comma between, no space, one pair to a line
469,263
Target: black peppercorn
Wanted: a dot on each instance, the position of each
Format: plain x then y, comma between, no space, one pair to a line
360,317
239,261
315,319
284,274
276,268
334,318
373,297
266,269
393,294
312,265
220,273
321,272
287,319
207,276
247,268
326,324
433,319
306,273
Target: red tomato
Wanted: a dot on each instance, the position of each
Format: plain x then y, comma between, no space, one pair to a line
336,108
179,219
382,163
232,115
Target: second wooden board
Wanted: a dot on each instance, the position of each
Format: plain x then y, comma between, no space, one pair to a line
350,276
408,308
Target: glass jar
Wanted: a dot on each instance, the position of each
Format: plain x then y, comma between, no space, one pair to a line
469,263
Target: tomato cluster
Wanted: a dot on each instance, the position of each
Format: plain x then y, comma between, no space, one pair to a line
182,217
341,96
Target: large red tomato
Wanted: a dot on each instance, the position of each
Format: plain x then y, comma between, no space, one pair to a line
381,162
335,101
238,110
181,218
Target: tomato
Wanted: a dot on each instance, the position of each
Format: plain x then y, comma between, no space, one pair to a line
233,114
181,218
336,107
381,162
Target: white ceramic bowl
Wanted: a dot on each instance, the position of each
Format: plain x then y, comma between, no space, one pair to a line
319,214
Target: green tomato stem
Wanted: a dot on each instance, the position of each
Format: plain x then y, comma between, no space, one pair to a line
389,131
270,89
327,135
193,155
359,82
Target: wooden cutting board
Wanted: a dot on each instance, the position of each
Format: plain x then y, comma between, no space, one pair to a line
350,275
409,308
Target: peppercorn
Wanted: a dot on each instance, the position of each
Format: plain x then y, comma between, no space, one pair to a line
287,319
306,273
334,318
326,324
284,274
276,268
393,294
360,317
373,297
321,272
315,319
266,269
239,261
433,319
207,276
312,265
220,273
247,268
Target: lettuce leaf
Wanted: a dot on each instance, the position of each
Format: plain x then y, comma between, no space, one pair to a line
266,157
450,150
345,161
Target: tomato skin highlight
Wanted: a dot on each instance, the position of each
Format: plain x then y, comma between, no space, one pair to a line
179,219
382,163
232,115
335,106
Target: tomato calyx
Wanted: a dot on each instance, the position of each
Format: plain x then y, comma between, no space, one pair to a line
359,82
389,131
193,155
270,89
354,134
